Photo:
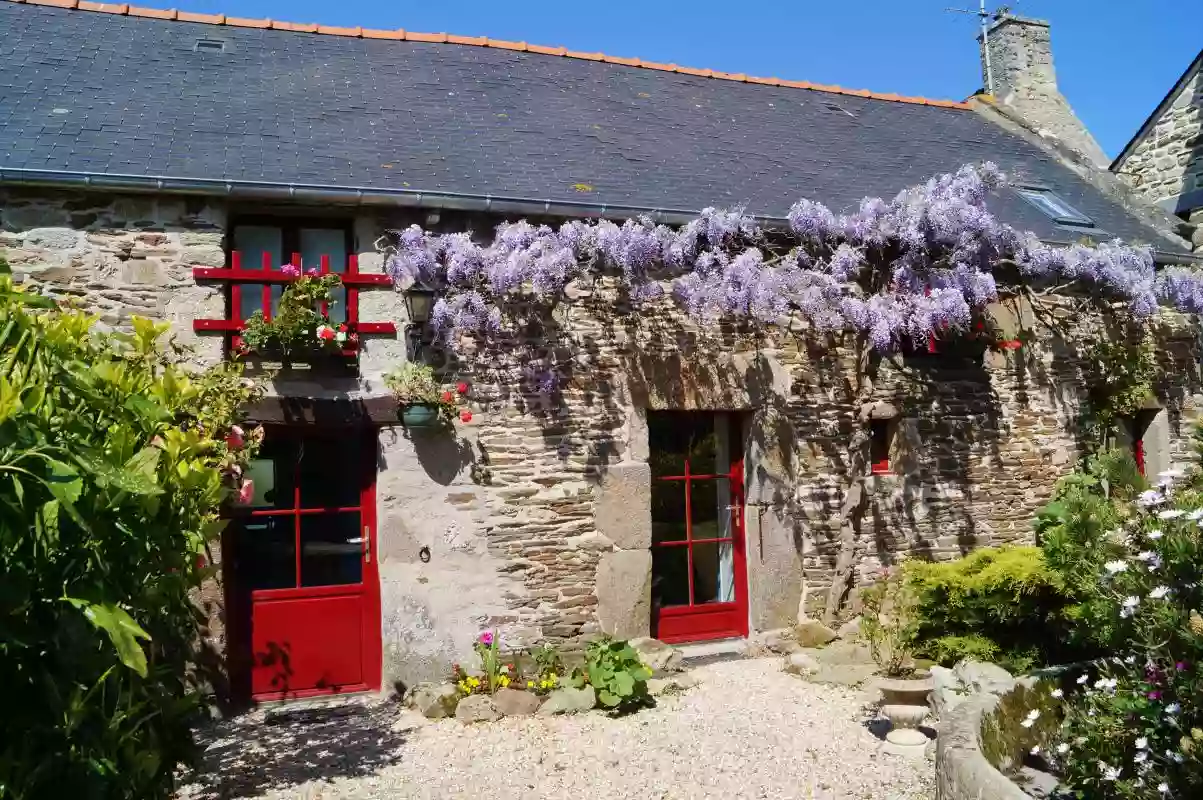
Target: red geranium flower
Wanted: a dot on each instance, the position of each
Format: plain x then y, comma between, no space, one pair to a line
461,387
465,416
342,328
448,397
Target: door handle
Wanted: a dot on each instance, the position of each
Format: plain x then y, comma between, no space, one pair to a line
367,544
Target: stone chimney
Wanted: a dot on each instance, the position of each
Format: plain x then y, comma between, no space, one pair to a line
1020,59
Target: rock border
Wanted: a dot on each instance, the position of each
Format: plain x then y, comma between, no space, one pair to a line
962,770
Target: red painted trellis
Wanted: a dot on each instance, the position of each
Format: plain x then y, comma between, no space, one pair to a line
236,276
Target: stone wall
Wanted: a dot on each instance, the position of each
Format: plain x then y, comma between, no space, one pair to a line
1168,163
535,516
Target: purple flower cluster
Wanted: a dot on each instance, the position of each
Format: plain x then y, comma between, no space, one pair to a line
896,270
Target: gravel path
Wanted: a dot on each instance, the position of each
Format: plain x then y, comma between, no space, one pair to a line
746,731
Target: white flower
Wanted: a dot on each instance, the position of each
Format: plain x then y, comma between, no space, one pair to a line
1131,601
1140,757
1146,555
1154,535
1195,515
1130,660
1035,750
1159,592
1057,693
1033,715
1163,787
1063,748
1150,498
1170,513
1141,742
1175,757
340,337
1115,566
1173,708
1109,772
1082,679
1027,723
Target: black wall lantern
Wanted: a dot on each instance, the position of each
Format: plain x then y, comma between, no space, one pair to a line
419,301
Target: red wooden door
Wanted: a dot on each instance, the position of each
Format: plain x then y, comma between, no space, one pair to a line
699,579
304,563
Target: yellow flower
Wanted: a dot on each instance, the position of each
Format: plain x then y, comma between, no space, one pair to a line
504,681
530,684
473,682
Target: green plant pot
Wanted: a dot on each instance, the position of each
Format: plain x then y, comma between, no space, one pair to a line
420,415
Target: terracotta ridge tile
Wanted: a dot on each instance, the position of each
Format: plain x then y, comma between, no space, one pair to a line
152,13
476,41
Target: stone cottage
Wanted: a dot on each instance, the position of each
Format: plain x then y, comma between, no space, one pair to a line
684,485
1164,160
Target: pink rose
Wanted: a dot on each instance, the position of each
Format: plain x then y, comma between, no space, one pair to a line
291,270
247,493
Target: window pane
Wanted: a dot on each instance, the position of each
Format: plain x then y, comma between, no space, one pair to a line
338,306
713,573
331,472
670,576
708,513
668,511
318,242
674,436
273,474
332,547
266,553
253,242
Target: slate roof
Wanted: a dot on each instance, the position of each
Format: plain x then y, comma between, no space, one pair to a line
113,93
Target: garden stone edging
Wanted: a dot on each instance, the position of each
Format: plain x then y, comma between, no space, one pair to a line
962,770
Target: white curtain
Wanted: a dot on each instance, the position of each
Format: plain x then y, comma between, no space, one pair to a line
726,554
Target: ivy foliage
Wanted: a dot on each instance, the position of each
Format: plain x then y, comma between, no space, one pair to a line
113,463
1121,372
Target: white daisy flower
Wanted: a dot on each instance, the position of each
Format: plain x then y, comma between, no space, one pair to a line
1131,601
1035,750
1057,693
1159,592
1063,748
1109,772
1130,660
1195,515
1141,742
1140,757
1154,535
1082,679
1163,787
1170,513
1146,555
1116,566
1150,498
1173,708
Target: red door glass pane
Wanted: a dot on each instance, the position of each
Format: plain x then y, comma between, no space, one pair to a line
331,549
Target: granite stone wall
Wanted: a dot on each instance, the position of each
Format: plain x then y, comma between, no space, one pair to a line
535,516
1168,163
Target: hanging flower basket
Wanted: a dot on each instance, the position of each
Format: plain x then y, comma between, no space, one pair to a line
421,415
422,400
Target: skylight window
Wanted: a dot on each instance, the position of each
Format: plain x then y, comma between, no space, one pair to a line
1055,208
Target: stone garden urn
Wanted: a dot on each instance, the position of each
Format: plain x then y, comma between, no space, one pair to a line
905,705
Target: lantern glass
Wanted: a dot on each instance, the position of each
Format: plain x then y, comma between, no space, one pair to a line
418,303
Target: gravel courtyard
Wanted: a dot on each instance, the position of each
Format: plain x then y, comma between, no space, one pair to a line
747,730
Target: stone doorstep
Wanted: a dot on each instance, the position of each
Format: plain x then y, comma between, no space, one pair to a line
696,654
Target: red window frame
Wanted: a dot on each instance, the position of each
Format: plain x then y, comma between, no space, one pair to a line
879,446
1138,426
237,274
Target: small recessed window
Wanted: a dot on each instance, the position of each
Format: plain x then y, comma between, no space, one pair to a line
879,446
210,46
1055,208
838,108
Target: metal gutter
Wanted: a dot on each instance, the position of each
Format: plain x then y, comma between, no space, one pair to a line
375,197
342,195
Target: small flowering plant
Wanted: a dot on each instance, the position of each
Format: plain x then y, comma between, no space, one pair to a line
297,325
549,669
1134,726
496,674
415,385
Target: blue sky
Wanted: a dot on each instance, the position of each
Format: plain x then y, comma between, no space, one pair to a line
1115,59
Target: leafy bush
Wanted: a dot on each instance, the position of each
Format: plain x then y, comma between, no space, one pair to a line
995,604
615,672
415,384
298,327
113,463
1134,730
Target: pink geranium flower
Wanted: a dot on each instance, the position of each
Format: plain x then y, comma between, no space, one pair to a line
291,270
246,492
486,639
234,439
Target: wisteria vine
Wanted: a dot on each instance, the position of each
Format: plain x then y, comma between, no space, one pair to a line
896,271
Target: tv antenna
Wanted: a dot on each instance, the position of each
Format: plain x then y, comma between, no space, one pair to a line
984,17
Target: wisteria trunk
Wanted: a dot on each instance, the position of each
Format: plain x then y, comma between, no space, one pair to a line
855,496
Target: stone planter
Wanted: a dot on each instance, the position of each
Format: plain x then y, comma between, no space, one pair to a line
905,705
316,363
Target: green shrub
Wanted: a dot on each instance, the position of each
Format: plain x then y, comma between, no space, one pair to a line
616,674
995,604
113,462
889,623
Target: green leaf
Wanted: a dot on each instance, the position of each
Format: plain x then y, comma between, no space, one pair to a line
135,480
10,399
146,408
48,518
121,628
607,698
64,482
624,683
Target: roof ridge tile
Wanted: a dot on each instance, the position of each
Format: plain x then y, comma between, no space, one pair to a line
475,41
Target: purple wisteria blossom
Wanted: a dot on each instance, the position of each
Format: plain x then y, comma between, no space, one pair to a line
897,271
